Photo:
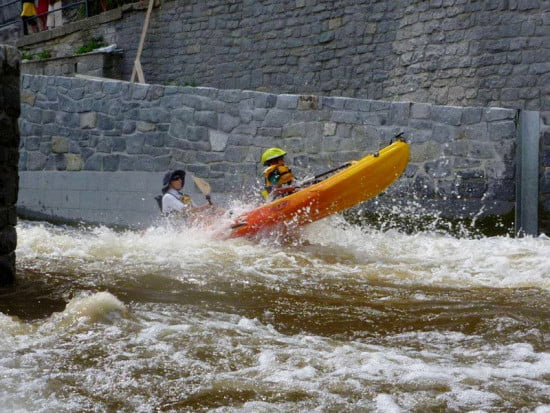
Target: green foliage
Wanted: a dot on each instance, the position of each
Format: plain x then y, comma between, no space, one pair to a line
27,55
81,11
90,45
44,54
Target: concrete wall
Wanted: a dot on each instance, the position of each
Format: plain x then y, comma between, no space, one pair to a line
89,136
9,143
121,198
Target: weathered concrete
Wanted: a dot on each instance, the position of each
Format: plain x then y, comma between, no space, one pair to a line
462,160
9,143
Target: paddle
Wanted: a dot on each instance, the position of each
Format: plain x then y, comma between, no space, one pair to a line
313,179
204,187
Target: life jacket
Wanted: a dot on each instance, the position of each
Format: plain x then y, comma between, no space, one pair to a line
281,173
184,198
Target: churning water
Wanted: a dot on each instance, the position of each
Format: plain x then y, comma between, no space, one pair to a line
341,319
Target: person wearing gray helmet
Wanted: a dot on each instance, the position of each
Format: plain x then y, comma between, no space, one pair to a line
173,201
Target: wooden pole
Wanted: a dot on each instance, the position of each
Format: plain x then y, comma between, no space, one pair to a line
137,63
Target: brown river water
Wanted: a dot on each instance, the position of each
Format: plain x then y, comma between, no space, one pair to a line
341,319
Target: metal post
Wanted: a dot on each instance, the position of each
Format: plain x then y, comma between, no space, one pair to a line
527,174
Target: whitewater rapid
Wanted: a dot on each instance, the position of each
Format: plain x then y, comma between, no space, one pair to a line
340,318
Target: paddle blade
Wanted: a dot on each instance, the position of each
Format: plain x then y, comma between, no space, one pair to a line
203,186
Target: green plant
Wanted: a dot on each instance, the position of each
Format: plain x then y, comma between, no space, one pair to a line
44,54
81,11
27,55
91,44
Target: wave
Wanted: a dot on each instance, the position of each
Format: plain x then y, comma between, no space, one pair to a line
330,248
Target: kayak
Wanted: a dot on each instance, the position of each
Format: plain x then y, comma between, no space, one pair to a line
357,182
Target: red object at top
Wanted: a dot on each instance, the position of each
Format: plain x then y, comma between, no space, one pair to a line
42,8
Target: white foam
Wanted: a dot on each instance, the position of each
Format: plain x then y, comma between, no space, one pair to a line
386,404
442,260
98,307
100,349
335,250
199,349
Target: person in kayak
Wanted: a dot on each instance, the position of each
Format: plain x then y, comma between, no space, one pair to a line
173,201
277,176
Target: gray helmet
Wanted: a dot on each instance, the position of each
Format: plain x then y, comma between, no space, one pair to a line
170,176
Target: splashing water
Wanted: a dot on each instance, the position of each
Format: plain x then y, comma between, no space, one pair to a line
339,318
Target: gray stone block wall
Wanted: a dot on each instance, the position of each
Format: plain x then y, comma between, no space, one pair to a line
483,53
451,52
462,158
10,13
9,144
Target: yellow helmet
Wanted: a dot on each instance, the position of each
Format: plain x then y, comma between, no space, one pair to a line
272,153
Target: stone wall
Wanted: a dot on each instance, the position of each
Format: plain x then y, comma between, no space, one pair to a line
9,144
443,52
76,130
11,25
446,52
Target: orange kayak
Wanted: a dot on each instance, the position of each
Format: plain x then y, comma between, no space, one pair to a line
356,183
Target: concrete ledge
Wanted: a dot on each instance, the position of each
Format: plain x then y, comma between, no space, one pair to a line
101,64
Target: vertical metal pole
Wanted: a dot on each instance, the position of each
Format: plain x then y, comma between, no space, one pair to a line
527,174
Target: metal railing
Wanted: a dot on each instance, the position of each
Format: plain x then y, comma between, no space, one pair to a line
67,7
91,8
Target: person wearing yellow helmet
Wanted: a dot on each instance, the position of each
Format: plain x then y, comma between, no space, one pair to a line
277,176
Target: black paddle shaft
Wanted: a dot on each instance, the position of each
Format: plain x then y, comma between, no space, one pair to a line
312,180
